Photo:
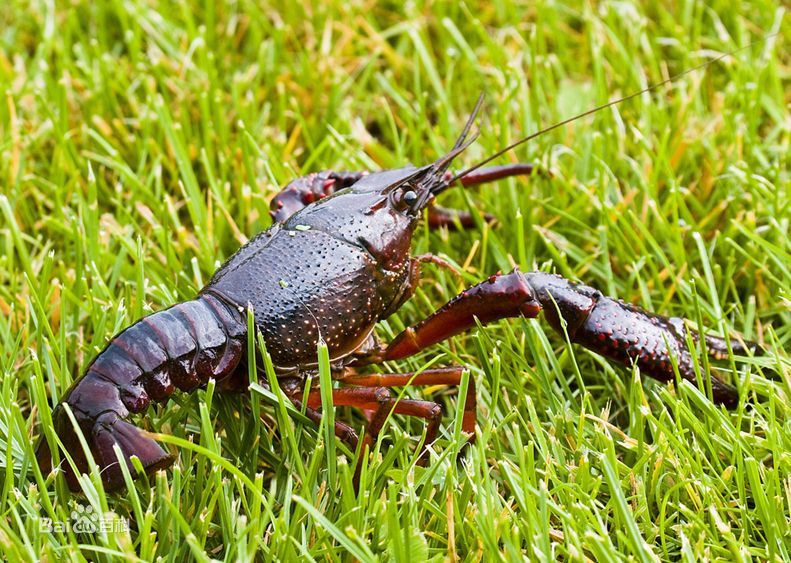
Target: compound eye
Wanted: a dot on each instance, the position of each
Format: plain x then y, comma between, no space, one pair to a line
410,198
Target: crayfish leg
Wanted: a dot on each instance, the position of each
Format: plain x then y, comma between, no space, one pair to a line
619,331
717,347
305,190
625,333
371,394
453,219
500,296
436,376
381,401
343,431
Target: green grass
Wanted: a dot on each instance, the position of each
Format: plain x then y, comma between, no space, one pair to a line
141,141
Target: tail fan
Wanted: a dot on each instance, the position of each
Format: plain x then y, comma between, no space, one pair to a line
108,429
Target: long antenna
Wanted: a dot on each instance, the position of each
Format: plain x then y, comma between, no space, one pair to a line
470,121
603,106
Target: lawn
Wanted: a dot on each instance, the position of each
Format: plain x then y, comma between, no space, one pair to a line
140,145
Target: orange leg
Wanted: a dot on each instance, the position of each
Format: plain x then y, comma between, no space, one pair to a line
499,296
437,376
381,401
342,430
372,394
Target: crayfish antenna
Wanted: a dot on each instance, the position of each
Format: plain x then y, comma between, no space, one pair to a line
596,109
470,121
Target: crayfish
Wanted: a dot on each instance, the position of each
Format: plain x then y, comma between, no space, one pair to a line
335,262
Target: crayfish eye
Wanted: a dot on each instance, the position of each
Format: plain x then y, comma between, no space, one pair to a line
410,197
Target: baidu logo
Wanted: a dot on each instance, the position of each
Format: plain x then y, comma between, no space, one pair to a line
85,520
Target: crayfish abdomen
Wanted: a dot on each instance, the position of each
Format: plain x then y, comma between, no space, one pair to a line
177,348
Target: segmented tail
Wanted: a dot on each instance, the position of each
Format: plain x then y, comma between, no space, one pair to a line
178,348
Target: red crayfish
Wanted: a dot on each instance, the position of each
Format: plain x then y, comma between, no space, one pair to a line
336,261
